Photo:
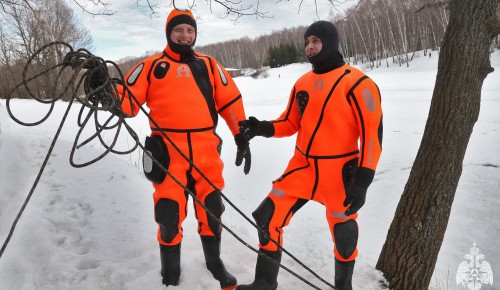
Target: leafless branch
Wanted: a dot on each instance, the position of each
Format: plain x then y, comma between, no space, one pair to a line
152,8
351,12
315,5
333,3
237,9
103,10
22,3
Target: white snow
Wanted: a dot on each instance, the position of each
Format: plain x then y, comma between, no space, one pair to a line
93,227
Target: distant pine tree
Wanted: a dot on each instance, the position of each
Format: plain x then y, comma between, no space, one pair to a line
282,55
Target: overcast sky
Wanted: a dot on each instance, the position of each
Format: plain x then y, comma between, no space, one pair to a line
131,31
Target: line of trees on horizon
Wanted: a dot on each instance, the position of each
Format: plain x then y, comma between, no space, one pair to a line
376,32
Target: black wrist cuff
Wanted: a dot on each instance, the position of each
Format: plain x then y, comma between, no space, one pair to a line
364,177
267,129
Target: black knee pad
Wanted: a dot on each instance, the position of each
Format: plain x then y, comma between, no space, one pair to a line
346,237
262,216
214,204
167,217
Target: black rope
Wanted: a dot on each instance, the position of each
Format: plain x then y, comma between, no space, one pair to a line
30,194
106,98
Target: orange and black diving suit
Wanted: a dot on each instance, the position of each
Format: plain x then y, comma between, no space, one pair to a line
336,110
185,92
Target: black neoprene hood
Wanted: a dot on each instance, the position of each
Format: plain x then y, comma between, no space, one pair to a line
329,57
176,20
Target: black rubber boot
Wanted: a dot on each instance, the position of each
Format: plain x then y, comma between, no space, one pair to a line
211,249
170,264
266,272
343,274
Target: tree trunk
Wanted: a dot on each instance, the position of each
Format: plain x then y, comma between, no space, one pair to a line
415,236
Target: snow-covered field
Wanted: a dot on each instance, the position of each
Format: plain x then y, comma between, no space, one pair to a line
93,227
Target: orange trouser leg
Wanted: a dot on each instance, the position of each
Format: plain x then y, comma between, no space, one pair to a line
170,209
170,198
211,199
323,180
275,213
345,233
272,215
207,159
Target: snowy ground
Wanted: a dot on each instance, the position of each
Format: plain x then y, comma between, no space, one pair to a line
93,227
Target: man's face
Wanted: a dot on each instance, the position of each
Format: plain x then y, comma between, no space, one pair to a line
313,45
183,34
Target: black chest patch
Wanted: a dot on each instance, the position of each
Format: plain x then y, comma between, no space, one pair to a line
161,69
200,74
302,100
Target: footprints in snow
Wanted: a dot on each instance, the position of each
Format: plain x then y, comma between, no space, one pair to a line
69,218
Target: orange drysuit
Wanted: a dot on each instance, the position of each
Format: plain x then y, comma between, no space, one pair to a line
185,99
331,112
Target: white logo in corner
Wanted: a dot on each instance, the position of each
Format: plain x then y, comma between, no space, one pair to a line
474,273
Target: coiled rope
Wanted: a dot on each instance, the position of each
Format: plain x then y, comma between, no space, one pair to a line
106,98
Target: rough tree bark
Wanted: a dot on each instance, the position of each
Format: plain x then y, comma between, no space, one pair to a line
415,236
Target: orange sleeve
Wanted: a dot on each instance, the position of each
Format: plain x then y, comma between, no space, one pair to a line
136,91
227,97
366,102
289,121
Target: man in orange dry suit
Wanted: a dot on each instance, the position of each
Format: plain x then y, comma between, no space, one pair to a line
331,107
185,92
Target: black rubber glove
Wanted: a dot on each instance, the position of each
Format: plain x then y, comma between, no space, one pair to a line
243,152
253,127
355,195
97,77
106,96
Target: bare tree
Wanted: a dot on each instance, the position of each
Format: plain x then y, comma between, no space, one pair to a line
6,4
93,7
378,29
367,52
23,31
415,236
